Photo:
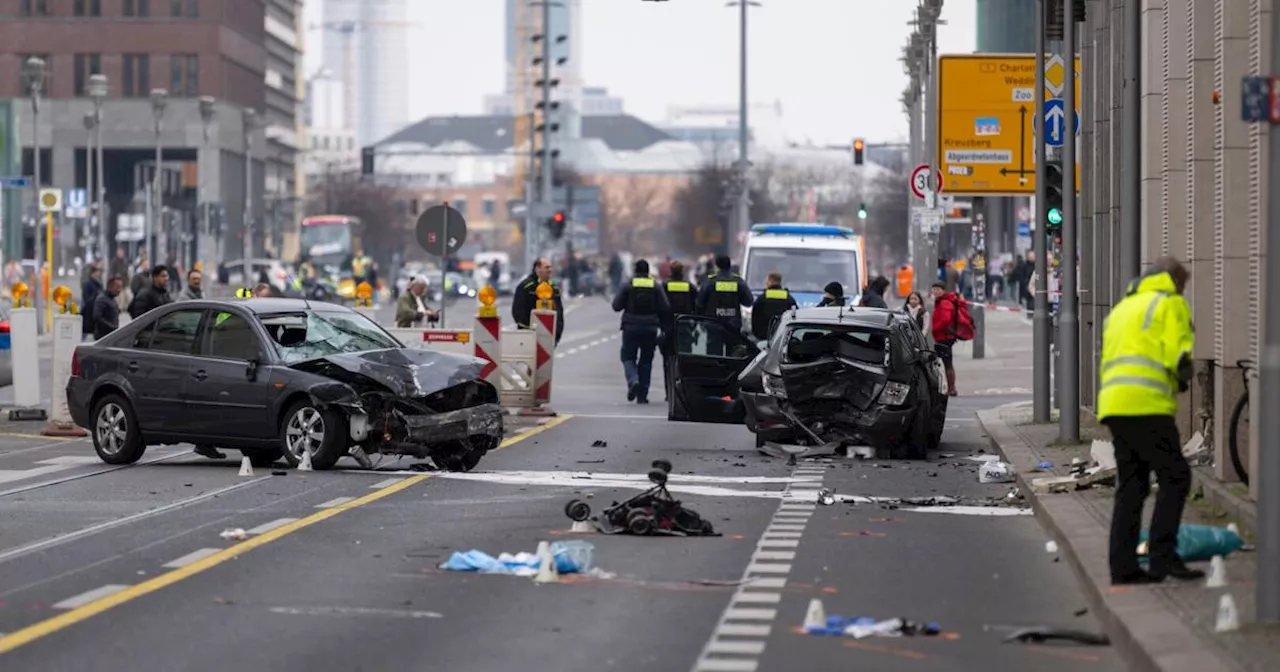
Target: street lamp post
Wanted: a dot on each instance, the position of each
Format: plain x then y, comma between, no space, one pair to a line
90,126
98,91
742,205
159,101
207,110
250,124
34,72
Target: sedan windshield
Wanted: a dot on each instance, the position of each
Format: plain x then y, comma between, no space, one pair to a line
810,343
302,336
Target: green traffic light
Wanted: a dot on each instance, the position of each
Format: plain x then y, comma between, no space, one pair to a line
862,212
1055,216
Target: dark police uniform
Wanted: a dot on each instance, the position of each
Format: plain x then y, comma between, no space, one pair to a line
682,295
771,305
723,297
525,300
642,303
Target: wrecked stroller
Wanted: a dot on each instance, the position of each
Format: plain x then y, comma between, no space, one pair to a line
651,512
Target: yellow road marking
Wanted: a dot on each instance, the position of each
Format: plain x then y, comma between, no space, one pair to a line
534,431
51,439
65,620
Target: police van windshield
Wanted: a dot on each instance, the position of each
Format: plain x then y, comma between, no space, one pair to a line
803,270
301,336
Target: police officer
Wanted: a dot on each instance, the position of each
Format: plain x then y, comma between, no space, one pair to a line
525,298
770,306
642,304
1146,362
724,295
361,267
682,296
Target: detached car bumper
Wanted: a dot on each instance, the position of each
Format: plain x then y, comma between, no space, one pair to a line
481,426
79,394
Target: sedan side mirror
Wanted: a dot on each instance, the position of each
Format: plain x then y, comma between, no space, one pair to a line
926,354
251,371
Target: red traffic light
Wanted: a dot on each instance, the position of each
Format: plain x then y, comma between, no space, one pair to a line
558,217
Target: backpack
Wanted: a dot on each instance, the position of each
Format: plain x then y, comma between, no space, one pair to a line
964,321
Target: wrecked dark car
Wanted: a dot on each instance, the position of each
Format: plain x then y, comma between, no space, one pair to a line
845,376
277,378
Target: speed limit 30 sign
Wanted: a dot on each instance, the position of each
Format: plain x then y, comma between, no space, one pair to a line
920,181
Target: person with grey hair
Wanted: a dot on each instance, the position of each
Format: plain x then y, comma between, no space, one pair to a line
411,307
1146,362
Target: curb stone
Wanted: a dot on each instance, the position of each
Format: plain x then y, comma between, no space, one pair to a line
1147,635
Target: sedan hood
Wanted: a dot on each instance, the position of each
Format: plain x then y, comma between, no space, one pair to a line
834,379
406,372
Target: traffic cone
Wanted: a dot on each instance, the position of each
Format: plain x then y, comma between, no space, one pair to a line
815,618
1217,573
305,463
1228,615
246,467
582,526
546,565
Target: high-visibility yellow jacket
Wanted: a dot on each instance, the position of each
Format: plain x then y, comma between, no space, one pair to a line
1146,350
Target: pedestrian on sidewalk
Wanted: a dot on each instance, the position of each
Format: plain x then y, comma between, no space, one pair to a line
642,303
105,309
873,295
1146,362
832,295
946,307
914,308
90,288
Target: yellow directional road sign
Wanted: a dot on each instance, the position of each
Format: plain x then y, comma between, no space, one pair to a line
986,121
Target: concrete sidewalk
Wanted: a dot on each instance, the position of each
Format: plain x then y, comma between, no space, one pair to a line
1167,627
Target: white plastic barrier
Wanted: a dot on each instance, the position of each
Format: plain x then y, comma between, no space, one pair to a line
66,336
519,357
24,349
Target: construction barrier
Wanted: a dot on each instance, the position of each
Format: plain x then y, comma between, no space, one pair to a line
66,336
544,327
488,346
25,351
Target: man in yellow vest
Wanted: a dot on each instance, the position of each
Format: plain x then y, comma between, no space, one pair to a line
770,306
1146,361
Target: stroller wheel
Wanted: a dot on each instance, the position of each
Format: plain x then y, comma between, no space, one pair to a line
707,528
577,510
658,476
662,464
639,523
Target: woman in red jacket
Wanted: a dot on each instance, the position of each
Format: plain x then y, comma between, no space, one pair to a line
945,305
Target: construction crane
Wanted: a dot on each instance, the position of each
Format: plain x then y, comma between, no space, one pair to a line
528,24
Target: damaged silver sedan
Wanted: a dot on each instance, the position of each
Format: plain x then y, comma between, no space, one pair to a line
839,378
277,379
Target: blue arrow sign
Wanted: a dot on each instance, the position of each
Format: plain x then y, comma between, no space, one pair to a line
1055,118
15,182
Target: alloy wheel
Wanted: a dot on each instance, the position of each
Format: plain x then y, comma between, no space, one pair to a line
111,428
305,432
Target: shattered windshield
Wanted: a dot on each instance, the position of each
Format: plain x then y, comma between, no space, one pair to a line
302,336
810,343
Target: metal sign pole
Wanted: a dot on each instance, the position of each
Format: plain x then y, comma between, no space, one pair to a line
444,266
1068,309
1041,359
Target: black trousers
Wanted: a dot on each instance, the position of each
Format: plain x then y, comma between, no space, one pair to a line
1145,444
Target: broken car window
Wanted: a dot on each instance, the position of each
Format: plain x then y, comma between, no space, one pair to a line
810,343
302,336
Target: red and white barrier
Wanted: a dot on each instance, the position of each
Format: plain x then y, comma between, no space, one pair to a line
488,346
544,327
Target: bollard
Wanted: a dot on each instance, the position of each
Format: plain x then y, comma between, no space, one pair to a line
66,336
979,330
25,352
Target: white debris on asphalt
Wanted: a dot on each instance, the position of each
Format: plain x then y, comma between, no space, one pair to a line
235,533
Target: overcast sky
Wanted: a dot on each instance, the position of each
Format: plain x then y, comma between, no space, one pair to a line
833,64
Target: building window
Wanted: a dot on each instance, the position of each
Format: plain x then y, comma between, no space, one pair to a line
22,74
137,76
184,77
88,8
35,8
85,65
489,206
139,8
184,8
459,204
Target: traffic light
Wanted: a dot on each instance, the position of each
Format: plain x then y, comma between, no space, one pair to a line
1053,196
366,160
556,224
858,147
862,211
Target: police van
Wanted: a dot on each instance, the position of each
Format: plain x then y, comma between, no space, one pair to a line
808,256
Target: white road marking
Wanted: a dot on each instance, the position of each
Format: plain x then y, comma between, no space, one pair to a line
769,568
725,646
90,596
775,555
354,611
784,527
388,483
267,527
190,558
736,630
71,460
726,665
787,516
335,502
750,614
781,535
164,457
995,511
779,543
757,598
767,582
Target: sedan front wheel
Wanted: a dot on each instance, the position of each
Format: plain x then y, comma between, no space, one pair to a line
116,437
320,432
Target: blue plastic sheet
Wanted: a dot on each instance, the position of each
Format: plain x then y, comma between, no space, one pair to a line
571,557
1199,543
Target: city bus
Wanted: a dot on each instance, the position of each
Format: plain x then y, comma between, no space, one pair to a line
331,240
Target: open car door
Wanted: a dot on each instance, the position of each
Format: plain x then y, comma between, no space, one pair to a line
708,358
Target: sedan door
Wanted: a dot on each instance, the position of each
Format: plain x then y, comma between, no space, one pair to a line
227,391
709,357
156,368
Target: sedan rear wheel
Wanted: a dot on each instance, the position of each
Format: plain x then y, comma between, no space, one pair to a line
320,432
116,438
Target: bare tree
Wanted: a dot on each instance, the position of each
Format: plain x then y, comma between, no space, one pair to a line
639,211
382,208
888,219
703,209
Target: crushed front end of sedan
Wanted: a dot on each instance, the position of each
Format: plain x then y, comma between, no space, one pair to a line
846,378
412,402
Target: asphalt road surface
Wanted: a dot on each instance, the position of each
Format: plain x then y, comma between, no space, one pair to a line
113,569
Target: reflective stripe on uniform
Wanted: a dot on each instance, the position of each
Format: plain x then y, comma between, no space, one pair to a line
678,286
642,282
1140,382
1135,360
726,286
776,294
1151,311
